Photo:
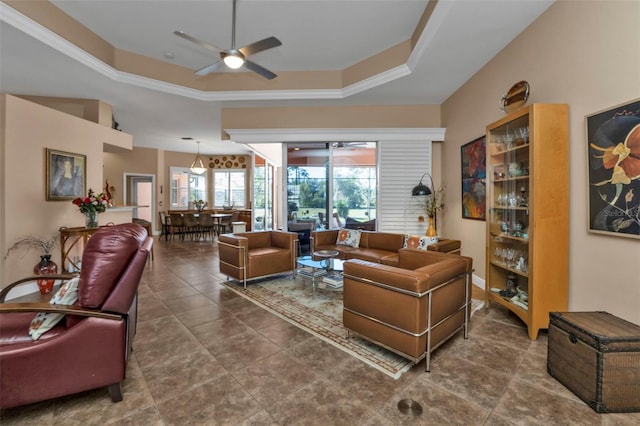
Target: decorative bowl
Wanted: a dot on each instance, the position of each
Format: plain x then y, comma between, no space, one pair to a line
326,253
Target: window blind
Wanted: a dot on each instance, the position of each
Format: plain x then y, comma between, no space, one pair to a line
400,167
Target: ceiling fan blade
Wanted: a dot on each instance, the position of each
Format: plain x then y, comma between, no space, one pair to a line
210,68
192,39
259,46
260,70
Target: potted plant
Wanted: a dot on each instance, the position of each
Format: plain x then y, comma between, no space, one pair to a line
431,204
46,266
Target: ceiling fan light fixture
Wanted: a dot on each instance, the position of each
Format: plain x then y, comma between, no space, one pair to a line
233,60
197,167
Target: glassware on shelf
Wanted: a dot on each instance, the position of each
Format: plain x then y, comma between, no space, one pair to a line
523,197
523,135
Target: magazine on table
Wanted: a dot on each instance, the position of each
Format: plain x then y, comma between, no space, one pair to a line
333,280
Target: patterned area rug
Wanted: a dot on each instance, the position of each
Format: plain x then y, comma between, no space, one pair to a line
291,300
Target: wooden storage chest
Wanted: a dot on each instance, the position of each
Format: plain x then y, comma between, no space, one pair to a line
596,355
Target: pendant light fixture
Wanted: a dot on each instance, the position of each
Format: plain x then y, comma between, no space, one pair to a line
197,167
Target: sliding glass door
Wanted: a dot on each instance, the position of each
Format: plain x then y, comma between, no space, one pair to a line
263,194
354,184
345,170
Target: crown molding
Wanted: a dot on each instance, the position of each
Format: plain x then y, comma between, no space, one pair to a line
32,28
436,19
39,32
421,134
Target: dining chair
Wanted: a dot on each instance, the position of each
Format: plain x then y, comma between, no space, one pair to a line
165,223
207,224
192,227
227,221
177,225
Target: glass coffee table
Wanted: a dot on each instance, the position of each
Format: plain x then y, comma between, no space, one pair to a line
325,272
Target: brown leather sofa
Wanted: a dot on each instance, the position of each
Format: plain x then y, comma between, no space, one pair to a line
411,308
88,348
379,247
248,255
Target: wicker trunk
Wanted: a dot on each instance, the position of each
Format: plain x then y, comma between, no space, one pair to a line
597,356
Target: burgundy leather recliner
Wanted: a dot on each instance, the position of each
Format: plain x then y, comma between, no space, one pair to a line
88,348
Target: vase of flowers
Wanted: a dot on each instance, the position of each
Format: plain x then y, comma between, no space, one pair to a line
200,205
46,266
90,206
431,204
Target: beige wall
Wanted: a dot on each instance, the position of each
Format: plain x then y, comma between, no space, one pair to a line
24,207
144,161
363,116
138,161
585,54
149,161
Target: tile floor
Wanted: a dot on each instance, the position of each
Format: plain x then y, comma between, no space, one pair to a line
205,356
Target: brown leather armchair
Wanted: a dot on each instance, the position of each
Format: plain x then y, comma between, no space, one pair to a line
249,255
412,308
89,347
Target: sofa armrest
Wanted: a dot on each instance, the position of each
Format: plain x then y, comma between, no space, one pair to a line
415,259
234,240
232,249
324,238
446,246
58,309
62,277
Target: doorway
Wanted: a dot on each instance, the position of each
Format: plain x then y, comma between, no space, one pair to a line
140,194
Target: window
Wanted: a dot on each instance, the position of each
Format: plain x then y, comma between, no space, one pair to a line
354,192
229,188
339,177
186,187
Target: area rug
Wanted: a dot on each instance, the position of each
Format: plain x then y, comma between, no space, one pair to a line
291,299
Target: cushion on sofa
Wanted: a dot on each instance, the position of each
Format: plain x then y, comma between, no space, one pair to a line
349,237
419,242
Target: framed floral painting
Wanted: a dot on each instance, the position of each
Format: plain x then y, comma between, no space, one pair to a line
474,176
613,144
66,175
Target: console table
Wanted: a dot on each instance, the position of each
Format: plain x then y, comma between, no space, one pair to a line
70,238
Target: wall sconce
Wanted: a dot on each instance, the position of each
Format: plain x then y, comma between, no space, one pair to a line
422,189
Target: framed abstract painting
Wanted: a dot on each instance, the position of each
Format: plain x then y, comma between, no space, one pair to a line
613,144
474,176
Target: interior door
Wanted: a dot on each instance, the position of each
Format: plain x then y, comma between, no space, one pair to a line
141,196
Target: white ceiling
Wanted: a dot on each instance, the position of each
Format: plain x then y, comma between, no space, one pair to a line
461,36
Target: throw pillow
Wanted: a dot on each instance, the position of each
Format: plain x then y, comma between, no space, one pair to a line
349,237
44,321
418,242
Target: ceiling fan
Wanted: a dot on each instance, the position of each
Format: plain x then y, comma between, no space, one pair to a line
235,58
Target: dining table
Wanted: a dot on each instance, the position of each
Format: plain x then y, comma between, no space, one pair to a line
217,219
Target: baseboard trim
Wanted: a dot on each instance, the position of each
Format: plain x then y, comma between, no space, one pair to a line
479,282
